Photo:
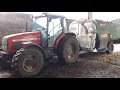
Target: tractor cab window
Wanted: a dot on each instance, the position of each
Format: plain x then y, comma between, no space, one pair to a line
54,26
39,24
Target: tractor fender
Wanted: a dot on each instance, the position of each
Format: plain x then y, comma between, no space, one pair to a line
38,47
23,49
63,34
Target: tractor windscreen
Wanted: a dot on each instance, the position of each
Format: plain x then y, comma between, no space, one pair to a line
39,24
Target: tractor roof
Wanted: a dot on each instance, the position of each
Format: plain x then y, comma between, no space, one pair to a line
49,15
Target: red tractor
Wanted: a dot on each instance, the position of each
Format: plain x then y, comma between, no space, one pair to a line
27,52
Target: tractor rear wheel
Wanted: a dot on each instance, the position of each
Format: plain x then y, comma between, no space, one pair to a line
29,62
68,50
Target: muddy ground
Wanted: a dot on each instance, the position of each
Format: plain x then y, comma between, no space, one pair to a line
90,65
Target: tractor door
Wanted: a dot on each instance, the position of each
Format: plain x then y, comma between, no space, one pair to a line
54,30
87,35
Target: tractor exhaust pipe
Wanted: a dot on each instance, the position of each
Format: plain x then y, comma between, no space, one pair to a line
89,15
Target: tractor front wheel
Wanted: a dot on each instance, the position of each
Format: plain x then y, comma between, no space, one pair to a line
29,62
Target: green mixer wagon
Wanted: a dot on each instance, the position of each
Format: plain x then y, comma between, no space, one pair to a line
96,34
112,28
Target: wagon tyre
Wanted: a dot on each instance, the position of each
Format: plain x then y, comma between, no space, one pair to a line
68,50
110,47
28,63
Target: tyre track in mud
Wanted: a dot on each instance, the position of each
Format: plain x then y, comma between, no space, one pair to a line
89,65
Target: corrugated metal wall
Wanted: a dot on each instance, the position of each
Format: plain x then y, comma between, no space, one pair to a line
11,23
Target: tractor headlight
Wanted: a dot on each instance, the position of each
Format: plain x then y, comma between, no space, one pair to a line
4,43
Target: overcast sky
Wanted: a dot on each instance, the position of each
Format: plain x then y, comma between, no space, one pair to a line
108,16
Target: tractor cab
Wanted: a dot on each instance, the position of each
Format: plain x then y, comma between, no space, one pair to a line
50,26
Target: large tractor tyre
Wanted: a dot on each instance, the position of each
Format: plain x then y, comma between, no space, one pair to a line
5,65
28,63
110,47
68,50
